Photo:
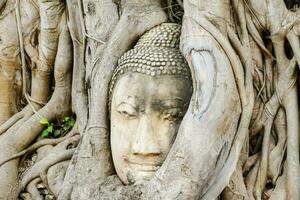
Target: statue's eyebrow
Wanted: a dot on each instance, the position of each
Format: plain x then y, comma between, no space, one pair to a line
169,103
130,100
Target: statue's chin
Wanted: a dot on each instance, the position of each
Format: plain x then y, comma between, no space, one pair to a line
136,177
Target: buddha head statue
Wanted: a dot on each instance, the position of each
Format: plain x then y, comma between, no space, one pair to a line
149,95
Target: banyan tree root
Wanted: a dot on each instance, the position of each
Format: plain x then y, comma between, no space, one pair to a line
55,177
40,169
18,138
51,165
33,191
11,75
20,116
61,152
281,28
39,144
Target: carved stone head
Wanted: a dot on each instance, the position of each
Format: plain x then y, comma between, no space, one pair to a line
149,95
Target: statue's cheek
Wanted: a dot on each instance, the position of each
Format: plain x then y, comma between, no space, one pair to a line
166,135
121,136
120,147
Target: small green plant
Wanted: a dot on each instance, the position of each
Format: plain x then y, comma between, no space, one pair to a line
60,128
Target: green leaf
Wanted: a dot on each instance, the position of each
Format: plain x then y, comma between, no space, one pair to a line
66,127
44,121
50,128
57,133
71,122
45,133
66,119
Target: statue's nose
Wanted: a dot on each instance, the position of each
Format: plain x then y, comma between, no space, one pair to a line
145,142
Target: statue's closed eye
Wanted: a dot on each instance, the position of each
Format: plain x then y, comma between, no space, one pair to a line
127,110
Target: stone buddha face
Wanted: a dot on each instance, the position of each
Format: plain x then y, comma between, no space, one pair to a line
149,97
145,116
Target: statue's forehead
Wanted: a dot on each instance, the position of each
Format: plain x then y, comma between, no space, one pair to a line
143,87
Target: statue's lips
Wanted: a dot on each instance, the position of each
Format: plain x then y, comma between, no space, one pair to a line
143,166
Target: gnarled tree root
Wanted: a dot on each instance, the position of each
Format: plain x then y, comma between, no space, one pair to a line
40,168
33,191
39,144
15,141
